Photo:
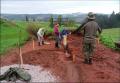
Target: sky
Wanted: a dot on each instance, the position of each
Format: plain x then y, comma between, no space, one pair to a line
59,6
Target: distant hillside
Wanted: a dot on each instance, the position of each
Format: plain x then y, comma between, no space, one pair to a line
78,17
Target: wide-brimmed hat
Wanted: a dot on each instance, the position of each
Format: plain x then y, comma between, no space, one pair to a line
91,16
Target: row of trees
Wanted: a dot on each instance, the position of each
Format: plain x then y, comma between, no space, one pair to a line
61,21
111,21
52,20
105,21
28,19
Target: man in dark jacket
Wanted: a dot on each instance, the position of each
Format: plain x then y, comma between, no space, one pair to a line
90,34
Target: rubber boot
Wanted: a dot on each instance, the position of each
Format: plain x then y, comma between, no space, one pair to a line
43,43
86,61
90,61
56,45
38,43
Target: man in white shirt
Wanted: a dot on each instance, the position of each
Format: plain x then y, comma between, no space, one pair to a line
40,35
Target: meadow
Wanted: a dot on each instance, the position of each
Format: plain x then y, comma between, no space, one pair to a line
109,36
9,35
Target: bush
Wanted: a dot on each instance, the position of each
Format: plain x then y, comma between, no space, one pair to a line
32,29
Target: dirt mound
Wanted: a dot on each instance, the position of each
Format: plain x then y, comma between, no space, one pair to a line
47,59
39,74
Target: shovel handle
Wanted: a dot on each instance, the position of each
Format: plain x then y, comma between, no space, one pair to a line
98,40
33,43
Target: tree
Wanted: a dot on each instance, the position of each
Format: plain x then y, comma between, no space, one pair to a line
59,20
112,19
108,22
118,19
34,20
102,20
69,23
26,18
51,21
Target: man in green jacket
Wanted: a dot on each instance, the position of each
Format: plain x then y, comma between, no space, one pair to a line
90,34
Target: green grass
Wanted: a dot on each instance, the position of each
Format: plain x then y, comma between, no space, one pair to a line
109,36
10,35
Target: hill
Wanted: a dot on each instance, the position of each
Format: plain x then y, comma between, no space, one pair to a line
78,17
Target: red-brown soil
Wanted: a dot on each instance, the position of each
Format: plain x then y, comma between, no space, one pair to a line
105,67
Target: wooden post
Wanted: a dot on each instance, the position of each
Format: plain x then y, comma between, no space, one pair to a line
33,43
74,58
21,58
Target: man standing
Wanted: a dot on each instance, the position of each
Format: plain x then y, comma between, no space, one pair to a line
57,35
64,35
40,35
90,34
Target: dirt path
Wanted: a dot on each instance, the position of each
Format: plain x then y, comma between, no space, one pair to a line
105,67
72,73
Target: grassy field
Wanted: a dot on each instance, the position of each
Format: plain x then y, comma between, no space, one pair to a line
10,34
109,36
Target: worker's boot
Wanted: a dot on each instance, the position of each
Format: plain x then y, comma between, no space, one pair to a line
90,60
67,54
43,43
56,44
86,61
38,43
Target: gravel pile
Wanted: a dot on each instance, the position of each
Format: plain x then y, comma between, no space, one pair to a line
37,73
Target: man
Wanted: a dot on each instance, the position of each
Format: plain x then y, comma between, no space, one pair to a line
57,35
82,24
64,35
90,34
40,35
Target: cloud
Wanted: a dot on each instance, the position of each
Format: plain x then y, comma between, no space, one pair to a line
47,6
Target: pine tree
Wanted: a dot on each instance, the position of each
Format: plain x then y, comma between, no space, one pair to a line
34,20
59,20
112,19
51,21
26,18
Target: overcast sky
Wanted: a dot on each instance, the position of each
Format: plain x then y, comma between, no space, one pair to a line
58,6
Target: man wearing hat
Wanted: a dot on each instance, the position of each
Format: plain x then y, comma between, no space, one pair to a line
90,34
